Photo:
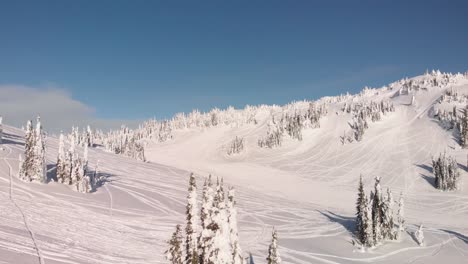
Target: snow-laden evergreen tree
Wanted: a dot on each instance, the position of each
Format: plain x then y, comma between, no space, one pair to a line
360,212
464,128
39,154
33,166
174,253
388,225
191,253
367,225
62,168
377,213
27,165
273,253
217,247
81,180
400,217
206,219
446,173
419,235
232,219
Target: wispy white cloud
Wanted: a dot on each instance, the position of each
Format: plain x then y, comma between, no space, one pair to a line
57,108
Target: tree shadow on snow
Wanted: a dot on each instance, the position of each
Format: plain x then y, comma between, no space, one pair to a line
429,179
51,172
425,167
102,178
458,235
349,223
11,139
462,166
413,236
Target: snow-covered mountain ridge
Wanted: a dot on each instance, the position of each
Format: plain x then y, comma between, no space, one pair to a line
305,188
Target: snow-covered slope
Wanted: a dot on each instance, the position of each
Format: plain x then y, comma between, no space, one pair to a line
305,189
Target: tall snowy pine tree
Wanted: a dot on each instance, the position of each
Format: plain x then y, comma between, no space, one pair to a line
27,164
273,254
464,128
377,213
191,255
388,225
39,154
232,219
217,247
205,218
61,161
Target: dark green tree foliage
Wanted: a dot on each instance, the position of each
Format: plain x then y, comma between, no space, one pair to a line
174,253
360,208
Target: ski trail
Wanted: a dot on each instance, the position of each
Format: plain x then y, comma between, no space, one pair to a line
33,238
111,200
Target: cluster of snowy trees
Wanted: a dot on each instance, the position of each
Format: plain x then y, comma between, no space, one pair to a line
33,166
124,142
456,121
362,113
445,169
292,122
375,220
84,138
215,117
73,169
217,242
274,136
236,146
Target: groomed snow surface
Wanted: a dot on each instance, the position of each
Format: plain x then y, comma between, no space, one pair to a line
306,189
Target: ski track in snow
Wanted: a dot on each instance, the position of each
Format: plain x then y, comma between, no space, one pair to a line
38,252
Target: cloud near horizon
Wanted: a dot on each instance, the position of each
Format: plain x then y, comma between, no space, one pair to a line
57,108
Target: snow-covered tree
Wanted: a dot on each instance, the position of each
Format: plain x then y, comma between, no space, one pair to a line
191,253
39,154
174,253
367,225
62,164
33,165
27,165
388,225
217,247
273,253
464,128
400,217
234,235
419,235
377,213
205,218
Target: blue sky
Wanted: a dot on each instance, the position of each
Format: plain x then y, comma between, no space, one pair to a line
139,59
